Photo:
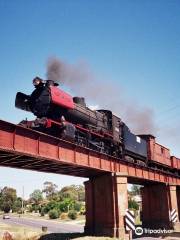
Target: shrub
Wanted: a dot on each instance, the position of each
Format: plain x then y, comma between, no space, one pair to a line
72,214
36,209
133,205
30,208
46,209
6,207
63,216
53,214
77,206
63,206
83,210
51,205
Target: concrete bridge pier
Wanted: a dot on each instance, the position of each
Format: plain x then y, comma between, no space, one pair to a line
157,202
106,203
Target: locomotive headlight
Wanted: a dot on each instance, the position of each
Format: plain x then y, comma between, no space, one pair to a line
36,81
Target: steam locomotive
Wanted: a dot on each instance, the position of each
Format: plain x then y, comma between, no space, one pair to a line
69,118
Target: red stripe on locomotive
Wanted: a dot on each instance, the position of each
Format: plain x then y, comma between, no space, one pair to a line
61,98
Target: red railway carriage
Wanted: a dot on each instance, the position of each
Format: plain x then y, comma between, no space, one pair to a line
157,152
175,162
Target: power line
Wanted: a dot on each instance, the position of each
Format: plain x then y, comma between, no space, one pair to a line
169,120
170,109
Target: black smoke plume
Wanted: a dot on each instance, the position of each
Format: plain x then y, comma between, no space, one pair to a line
80,80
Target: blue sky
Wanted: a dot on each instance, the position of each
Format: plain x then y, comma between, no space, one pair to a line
134,44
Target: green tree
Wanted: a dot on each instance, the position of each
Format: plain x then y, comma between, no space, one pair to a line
68,192
7,198
69,203
36,196
63,206
81,193
51,205
17,205
136,189
77,206
50,189
74,192
9,194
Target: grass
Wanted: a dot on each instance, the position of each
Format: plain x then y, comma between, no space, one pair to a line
25,233
138,221
19,232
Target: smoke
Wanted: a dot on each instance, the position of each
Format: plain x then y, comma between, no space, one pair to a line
67,74
169,136
81,81
141,119
55,69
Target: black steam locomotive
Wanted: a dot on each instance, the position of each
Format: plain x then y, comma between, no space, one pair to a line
69,118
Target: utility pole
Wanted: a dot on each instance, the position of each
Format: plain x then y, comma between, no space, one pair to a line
22,207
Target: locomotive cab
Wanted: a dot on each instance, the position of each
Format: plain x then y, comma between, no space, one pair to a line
114,125
134,145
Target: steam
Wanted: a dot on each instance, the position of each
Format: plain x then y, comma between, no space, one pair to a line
80,80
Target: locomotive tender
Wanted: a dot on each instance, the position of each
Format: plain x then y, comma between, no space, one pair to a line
69,118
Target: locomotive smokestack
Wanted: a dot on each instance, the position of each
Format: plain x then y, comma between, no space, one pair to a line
40,82
52,83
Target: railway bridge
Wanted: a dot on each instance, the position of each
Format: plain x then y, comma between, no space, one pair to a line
106,187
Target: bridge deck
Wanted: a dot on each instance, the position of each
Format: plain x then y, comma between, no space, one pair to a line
27,149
